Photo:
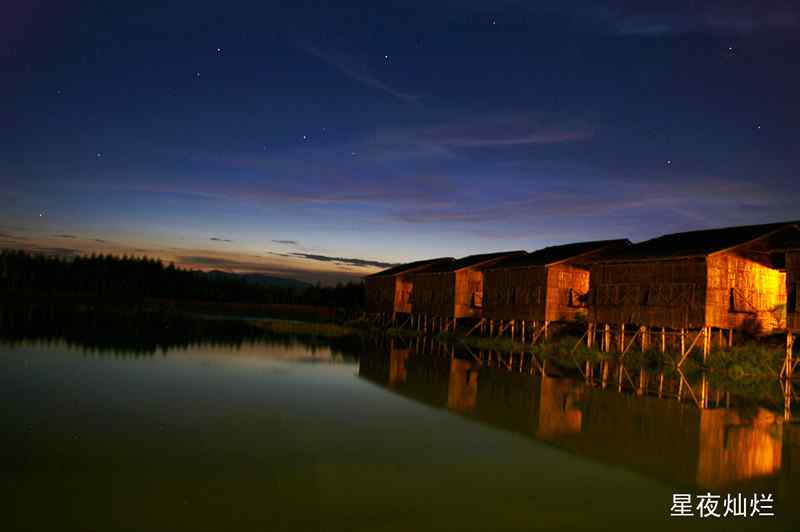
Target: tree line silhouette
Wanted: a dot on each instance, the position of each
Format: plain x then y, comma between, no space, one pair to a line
131,278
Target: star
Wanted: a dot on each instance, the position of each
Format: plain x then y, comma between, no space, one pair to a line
758,126
58,91
669,162
352,154
305,137
197,74
99,154
219,51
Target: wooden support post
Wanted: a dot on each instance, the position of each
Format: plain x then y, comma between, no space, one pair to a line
683,344
703,391
622,338
500,328
663,339
660,384
706,343
604,378
491,327
730,338
546,329
590,335
513,326
643,331
788,364
721,341
606,338
522,332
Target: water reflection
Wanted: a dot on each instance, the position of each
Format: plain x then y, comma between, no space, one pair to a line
700,444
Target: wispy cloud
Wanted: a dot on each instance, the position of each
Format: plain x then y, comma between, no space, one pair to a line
343,261
354,69
217,239
63,235
247,266
287,242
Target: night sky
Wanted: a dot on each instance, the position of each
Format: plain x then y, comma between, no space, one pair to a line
320,142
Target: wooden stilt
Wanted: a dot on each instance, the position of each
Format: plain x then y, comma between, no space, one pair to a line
513,326
604,377
683,344
788,364
522,332
491,327
606,338
663,339
546,329
622,338
730,338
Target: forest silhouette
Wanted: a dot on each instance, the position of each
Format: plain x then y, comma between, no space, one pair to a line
24,275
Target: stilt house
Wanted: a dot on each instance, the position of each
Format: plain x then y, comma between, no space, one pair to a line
454,290
793,289
389,291
723,278
550,284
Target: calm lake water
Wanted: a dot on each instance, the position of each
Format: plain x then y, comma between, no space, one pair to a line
280,435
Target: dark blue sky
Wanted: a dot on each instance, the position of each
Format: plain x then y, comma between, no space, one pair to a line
321,139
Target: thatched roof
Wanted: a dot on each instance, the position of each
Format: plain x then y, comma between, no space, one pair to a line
699,243
473,261
412,267
556,254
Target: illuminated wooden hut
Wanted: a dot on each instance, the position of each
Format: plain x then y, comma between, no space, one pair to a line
544,286
723,279
388,292
449,291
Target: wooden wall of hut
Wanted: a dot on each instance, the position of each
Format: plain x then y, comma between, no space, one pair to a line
434,293
535,293
380,294
456,294
743,293
653,293
793,289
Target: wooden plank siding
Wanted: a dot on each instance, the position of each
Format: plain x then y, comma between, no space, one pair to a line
722,278
793,289
454,292
743,293
547,285
390,291
659,293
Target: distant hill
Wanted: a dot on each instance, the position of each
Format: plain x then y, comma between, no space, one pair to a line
259,279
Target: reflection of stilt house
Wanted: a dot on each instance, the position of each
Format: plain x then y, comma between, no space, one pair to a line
449,291
389,292
543,286
559,408
462,387
721,278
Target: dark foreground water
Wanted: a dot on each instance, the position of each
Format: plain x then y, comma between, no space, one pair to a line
284,436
